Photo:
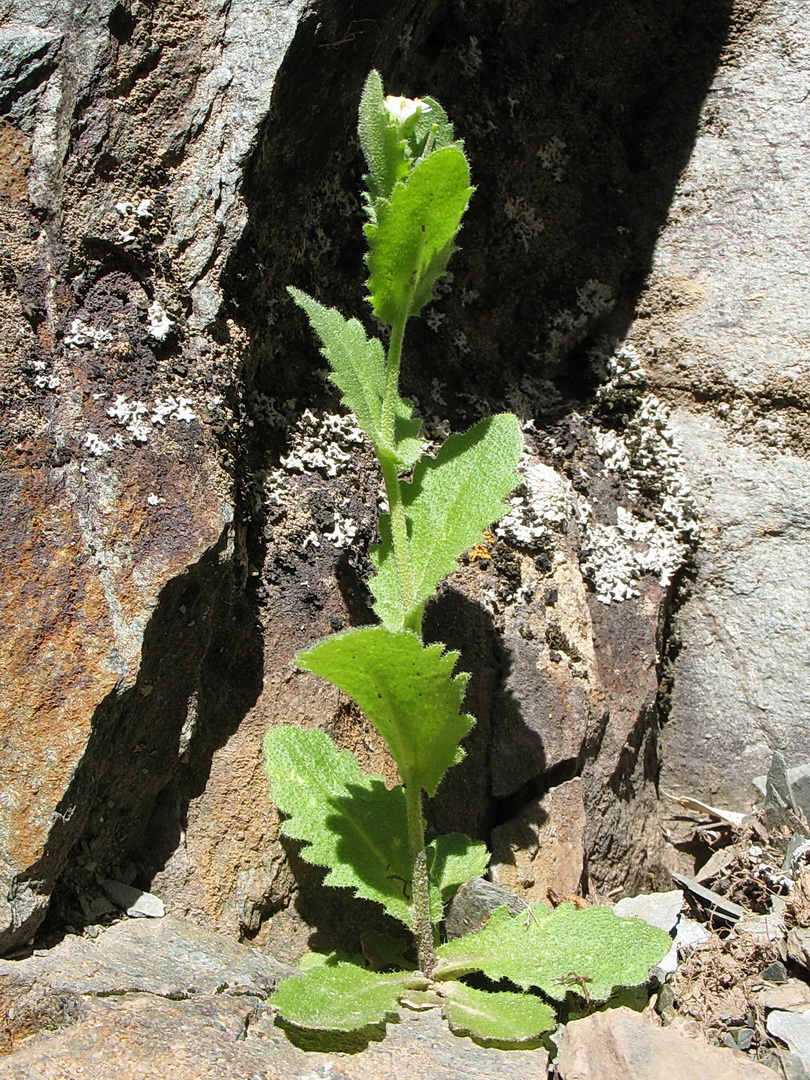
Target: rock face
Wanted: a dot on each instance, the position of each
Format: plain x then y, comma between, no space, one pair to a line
719,331
186,506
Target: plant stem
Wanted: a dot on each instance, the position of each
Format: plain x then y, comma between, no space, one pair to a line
422,923
393,491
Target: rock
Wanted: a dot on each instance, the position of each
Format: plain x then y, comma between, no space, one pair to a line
167,957
165,998
621,1045
473,904
543,847
721,348
164,177
134,901
658,909
792,1028
798,945
790,994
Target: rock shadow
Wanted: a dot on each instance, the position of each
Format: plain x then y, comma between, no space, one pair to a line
150,746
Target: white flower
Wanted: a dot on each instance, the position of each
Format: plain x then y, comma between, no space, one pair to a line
403,108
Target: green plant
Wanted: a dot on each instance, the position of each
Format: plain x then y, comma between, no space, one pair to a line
372,839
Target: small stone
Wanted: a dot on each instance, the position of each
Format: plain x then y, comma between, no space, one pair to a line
135,902
658,909
791,994
794,1029
775,973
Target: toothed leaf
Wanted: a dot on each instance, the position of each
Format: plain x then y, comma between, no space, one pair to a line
411,240
406,689
358,370
339,996
553,950
451,499
501,1017
349,822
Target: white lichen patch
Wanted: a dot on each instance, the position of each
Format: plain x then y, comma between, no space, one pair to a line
656,534
594,298
81,335
322,443
159,325
524,219
554,158
133,217
342,532
139,419
96,445
44,379
539,509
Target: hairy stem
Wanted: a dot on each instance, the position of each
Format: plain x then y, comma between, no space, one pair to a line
393,491
422,924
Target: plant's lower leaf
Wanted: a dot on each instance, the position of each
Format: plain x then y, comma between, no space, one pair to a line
406,689
383,952
501,1017
590,951
339,996
452,860
349,822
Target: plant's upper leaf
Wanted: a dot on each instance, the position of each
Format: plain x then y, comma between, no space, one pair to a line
349,822
433,130
452,860
340,996
412,238
558,951
357,361
358,370
406,689
501,1017
451,499
382,142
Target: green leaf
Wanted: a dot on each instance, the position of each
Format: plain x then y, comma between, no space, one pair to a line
339,996
383,145
411,240
452,860
496,1017
358,370
557,951
350,822
406,689
451,499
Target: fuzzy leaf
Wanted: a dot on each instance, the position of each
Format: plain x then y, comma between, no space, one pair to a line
339,996
451,499
497,1017
452,860
382,142
406,689
348,821
550,949
412,238
358,370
